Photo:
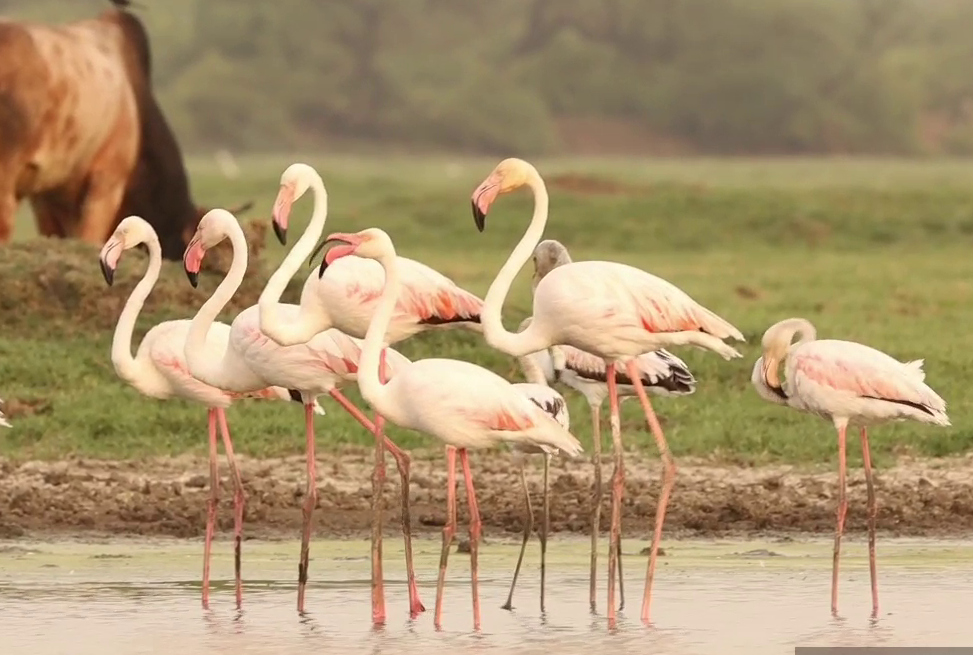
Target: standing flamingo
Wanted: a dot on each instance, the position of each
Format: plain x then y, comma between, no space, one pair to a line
3,419
553,403
849,383
159,370
662,374
614,311
462,404
251,359
345,298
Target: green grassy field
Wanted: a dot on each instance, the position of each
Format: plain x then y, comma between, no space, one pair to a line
869,250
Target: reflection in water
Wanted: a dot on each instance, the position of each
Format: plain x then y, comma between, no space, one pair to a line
51,605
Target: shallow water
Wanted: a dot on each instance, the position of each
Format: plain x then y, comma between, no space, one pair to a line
128,597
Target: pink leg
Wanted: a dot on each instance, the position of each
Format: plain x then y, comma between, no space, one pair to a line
211,506
475,526
310,501
239,500
448,531
842,510
618,480
214,500
872,515
668,480
402,463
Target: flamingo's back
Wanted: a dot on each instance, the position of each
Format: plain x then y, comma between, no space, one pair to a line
615,310
468,406
847,379
164,349
351,286
3,419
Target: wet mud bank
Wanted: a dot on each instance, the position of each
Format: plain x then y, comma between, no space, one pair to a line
167,497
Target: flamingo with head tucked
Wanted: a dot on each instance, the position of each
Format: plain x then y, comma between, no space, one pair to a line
661,372
251,359
464,405
345,297
611,310
159,370
850,384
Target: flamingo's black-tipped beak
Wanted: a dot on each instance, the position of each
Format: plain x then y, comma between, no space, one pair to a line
107,271
479,216
193,278
281,233
324,260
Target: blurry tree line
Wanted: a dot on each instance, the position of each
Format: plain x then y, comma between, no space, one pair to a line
554,76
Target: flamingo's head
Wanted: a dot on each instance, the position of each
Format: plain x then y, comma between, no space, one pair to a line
509,175
210,231
777,341
548,255
294,183
370,243
133,231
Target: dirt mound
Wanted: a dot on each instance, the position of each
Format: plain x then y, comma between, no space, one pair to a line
168,497
57,283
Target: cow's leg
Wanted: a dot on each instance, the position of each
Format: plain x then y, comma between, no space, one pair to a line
50,216
8,210
100,208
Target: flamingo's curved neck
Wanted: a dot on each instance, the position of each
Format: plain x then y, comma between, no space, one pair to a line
208,366
372,390
289,333
125,365
532,338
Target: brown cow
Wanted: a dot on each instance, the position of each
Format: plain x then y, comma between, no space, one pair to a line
82,136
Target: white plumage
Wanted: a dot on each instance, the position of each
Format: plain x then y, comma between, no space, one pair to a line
464,405
849,384
612,310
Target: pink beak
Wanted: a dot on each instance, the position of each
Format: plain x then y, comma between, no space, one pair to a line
483,197
352,242
282,211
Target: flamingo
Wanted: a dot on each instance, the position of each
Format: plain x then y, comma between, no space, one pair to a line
159,370
850,384
611,310
553,403
345,297
662,374
3,419
251,360
462,404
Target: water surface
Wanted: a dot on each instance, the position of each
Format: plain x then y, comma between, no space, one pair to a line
132,597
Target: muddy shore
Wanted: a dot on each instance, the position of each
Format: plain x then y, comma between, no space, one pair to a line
167,497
